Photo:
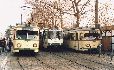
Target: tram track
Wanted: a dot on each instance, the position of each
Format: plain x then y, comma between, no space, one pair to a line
75,62
58,63
19,63
33,62
93,65
93,58
49,62
69,65
43,63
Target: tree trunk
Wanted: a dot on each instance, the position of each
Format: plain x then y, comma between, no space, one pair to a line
77,16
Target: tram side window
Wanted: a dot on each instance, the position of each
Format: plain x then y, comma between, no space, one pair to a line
86,35
65,37
81,36
97,35
74,36
69,37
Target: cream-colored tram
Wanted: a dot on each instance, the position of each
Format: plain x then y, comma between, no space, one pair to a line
52,37
25,37
82,39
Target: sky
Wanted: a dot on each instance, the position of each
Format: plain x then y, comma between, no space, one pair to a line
10,13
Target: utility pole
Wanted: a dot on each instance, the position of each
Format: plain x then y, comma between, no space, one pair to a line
21,19
60,9
96,15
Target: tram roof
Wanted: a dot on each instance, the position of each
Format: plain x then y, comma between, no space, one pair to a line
80,29
21,26
51,29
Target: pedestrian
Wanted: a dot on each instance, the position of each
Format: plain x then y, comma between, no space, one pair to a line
0,47
0,50
10,44
100,49
3,45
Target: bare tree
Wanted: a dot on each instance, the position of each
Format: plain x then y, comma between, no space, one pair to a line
78,11
106,14
46,12
50,12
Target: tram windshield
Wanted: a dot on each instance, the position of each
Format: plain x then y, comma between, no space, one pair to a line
55,34
26,34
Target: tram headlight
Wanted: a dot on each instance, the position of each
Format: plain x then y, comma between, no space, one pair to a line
87,45
34,45
18,45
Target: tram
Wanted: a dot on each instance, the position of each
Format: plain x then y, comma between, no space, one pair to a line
25,37
52,37
82,39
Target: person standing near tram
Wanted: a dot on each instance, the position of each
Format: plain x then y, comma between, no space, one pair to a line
1,47
9,44
3,44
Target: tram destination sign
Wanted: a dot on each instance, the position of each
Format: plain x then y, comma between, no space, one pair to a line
27,28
